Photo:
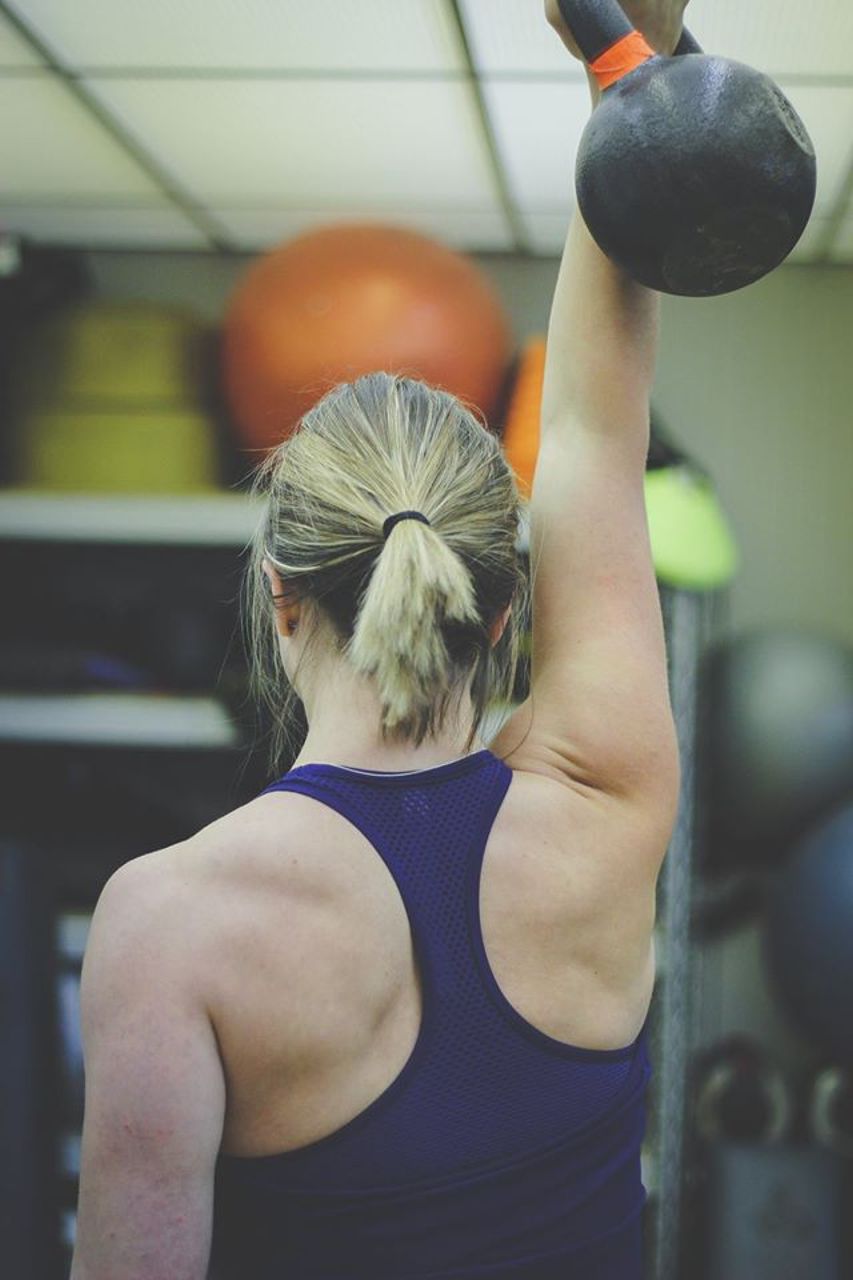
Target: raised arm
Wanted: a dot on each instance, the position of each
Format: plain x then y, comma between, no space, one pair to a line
602,345
598,715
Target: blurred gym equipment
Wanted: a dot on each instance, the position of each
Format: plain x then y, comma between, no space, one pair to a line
109,397
773,1212
344,300
809,934
830,1111
692,546
776,745
740,1095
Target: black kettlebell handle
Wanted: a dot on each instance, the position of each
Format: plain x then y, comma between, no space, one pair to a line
687,44
598,24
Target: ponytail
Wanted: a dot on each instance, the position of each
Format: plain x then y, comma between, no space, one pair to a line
417,586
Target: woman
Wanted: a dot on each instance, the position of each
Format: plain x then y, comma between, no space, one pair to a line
388,1019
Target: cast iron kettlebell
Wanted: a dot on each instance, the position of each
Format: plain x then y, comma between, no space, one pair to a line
695,174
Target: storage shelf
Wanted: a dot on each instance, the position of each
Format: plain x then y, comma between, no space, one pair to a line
139,719
116,719
192,519
215,519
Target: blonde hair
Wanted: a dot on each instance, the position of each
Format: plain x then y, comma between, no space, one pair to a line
413,612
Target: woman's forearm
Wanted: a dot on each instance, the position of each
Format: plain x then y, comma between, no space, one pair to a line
602,342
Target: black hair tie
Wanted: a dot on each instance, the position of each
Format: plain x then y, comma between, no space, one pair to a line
388,525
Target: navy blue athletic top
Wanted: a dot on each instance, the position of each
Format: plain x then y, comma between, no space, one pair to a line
498,1151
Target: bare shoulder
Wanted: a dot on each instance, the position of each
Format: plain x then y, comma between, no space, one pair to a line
257,853
277,843
143,928
281,892
269,877
259,890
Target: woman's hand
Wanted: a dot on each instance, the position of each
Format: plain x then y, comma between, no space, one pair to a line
660,21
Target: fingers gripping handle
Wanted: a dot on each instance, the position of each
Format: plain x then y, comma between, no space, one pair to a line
605,37
595,24
608,41
687,44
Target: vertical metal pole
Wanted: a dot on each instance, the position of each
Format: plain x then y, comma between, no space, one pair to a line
685,612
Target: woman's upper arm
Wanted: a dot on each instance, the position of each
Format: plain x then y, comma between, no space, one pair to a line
155,1088
599,709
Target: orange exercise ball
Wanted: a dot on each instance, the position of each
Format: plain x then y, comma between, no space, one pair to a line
341,301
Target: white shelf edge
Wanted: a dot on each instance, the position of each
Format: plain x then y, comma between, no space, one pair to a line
116,719
192,519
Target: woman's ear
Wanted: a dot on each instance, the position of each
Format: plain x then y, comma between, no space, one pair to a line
286,605
271,574
499,624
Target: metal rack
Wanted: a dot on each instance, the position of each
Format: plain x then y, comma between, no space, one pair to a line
689,621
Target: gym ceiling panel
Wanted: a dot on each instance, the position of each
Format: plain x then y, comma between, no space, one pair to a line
249,120
321,35
458,228
781,37
307,143
537,129
520,40
14,50
58,150
546,232
159,226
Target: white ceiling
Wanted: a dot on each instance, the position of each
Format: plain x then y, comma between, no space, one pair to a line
201,124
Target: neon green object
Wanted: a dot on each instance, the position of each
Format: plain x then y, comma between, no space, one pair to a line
692,545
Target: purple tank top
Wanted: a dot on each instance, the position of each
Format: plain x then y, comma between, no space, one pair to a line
498,1151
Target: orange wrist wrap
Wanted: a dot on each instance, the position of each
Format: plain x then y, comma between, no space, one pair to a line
621,58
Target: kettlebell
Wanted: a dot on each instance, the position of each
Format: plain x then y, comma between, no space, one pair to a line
694,173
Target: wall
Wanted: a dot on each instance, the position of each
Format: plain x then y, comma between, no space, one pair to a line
759,384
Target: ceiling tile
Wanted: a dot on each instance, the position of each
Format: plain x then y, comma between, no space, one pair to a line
779,36
480,230
14,50
546,232
514,36
160,227
57,149
261,34
828,115
315,143
537,128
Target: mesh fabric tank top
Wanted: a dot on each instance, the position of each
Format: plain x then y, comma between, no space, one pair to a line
497,1151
